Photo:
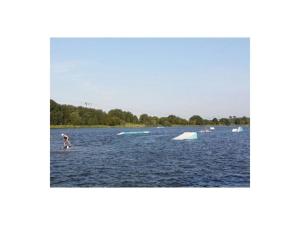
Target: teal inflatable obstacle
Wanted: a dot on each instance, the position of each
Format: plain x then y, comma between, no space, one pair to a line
134,132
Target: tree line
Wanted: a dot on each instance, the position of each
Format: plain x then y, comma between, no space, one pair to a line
61,114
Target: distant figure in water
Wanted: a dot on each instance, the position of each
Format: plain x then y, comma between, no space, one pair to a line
67,143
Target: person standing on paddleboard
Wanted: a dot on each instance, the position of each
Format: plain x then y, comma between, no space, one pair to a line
67,143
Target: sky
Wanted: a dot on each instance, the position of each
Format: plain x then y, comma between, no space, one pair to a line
209,77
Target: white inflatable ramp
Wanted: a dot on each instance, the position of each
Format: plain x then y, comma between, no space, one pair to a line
186,136
239,129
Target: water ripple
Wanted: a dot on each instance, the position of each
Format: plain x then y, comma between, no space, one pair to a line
100,158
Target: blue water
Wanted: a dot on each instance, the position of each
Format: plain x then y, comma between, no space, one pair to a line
101,158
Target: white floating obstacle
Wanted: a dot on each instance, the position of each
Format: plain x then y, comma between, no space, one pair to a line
212,128
134,132
205,131
239,129
186,136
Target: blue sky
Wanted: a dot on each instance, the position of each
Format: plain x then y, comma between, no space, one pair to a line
209,77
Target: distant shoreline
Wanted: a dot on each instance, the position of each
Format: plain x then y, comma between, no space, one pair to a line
137,126
97,126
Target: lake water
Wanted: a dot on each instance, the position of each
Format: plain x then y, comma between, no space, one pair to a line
101,158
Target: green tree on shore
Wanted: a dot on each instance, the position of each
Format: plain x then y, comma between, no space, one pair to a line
72,115
225,121
196,120
215,121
